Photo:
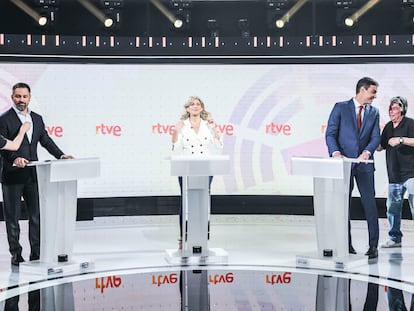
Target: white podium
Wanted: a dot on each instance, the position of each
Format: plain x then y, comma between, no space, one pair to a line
57,183
331,180
195,171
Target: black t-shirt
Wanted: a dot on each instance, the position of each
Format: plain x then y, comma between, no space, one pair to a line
3,142
400,159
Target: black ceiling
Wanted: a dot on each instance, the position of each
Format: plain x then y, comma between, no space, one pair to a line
142,18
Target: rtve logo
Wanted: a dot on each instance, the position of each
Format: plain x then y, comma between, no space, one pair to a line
273,128
55,130
162,279
103,129
172,278
110,282
284,278
221,278
163,129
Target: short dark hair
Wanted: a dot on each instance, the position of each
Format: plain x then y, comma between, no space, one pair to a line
21,85
365,82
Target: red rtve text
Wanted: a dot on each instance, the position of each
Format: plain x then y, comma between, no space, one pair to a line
104,129
226,129
55,130
273,128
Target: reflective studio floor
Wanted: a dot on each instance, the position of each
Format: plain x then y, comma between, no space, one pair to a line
130,269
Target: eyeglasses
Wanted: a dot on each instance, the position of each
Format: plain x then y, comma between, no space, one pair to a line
395,108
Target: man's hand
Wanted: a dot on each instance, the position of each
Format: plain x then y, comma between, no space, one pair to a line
364,156
67,156
20,162
337,154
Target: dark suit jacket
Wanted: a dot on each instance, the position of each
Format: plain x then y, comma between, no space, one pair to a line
342,132
9,127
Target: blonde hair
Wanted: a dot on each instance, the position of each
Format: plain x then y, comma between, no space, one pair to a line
204,114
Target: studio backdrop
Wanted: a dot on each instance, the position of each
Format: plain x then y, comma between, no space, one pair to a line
125,115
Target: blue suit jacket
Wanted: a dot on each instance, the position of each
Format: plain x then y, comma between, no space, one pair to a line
9,127
342,132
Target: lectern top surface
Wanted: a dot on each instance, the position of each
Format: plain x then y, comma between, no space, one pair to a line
320,159
47,162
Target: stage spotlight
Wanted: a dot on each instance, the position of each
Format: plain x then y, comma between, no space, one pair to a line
344,9
352,19
109,16
47,15
280,23
178,19
40,19
112,12
182,19
280,14
108,22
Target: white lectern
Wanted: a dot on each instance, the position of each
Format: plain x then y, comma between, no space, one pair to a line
331,180
57,182
195,171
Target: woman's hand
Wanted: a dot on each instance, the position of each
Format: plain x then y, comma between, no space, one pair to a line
25,127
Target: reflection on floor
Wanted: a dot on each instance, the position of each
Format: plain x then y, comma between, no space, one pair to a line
131,272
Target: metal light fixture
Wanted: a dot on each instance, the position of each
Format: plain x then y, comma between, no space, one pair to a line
281,22
351,20
244,26
213,26
40,19
106,20
176,20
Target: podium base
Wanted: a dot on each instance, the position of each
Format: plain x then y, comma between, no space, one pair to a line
313,260
178,256
55,268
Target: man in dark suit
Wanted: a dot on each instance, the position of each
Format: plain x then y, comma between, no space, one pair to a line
353,132
18,179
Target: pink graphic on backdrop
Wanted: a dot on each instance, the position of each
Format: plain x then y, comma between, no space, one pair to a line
277,108
11,74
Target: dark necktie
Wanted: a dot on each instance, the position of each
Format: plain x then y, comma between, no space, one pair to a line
359,118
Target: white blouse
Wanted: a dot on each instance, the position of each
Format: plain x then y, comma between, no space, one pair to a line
202,143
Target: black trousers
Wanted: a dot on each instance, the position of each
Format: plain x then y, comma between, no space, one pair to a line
12,194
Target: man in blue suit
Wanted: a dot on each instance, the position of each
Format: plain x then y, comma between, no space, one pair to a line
18,179
353,132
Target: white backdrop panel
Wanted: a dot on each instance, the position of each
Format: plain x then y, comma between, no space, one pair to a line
124,115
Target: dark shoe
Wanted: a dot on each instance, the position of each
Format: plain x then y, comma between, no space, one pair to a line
16,259
34,257
372,252
352,250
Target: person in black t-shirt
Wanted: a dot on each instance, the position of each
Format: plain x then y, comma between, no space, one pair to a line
397,139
